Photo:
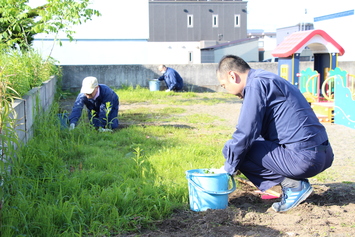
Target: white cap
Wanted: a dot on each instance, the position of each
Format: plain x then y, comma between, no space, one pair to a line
89,85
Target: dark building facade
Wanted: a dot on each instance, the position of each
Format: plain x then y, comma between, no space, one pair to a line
194,20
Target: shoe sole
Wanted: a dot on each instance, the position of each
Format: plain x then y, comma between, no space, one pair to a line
303,197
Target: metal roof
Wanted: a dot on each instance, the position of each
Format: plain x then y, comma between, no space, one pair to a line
231,43
317,40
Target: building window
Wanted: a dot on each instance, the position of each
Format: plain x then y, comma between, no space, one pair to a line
214,20
190,57
236,20
190,21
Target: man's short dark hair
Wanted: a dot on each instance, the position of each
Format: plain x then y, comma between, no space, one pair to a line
232,63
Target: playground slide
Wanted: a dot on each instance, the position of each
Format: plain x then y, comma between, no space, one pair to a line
308,84
344,105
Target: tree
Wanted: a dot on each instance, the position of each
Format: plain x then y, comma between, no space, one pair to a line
19,22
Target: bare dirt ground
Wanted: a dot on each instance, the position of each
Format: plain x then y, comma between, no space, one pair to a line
329,211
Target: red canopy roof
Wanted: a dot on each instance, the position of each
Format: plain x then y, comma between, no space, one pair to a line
301,39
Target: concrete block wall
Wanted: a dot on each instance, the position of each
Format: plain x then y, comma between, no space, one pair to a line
197,77
37,100
32,100
47,93
19,107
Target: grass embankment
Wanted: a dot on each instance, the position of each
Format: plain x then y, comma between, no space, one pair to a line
86,183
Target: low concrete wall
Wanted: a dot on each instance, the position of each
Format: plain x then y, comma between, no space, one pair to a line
197,77
37,100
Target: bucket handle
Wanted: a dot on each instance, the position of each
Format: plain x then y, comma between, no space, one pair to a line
213,192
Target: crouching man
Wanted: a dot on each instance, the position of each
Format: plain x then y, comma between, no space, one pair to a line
279,139
102,105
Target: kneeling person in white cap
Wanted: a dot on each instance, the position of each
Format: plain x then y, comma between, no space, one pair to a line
102,104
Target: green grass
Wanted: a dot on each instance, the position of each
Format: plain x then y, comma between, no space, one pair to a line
86,183
128,94
25,70
142,114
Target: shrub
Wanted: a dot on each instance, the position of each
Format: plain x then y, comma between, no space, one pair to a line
25,70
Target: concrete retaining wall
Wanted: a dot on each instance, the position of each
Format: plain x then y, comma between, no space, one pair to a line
197,77
35,101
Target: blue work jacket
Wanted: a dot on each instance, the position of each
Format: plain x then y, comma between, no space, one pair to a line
172,79
274,110
97,108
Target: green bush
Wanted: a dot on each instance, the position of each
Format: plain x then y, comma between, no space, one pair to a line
25,70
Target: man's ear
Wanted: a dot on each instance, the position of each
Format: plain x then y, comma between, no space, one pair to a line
234,77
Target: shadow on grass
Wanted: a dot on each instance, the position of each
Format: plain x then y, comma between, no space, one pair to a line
150,118
207,101
126,125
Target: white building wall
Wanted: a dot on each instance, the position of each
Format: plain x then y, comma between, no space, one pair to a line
106,52
269,45
339,28
120,19
119,36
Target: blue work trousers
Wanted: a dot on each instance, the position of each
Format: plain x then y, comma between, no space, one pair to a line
268,163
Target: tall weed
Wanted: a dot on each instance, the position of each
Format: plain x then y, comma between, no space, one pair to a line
8,135
86,183
26,70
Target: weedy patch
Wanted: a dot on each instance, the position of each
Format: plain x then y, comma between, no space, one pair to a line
83,182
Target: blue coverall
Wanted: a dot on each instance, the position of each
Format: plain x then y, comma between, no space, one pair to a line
99,107
278,135
173,80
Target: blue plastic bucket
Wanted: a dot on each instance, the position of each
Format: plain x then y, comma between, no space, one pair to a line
63,120
208,190
154,85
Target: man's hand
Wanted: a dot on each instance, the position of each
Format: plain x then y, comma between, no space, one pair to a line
221,170
105,130
71,126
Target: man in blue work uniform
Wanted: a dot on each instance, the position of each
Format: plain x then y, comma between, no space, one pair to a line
101,102
172,78
279,139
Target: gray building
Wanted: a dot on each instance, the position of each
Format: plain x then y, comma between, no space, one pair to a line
197,20
246,48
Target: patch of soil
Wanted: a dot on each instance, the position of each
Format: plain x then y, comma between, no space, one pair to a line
329,211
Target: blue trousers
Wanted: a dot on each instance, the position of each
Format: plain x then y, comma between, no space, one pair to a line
111,122
267,163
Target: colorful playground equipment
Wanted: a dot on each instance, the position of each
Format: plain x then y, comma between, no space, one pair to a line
328,89
319,95
325,52
334,99
344,101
